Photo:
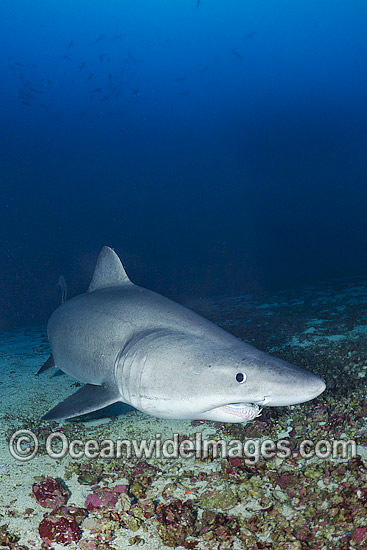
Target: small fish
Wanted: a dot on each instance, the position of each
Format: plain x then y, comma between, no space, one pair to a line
82,65
134,59
71,44
66,57
24,94
104,98
96,90
197,3
101,37
236,53
276,59
249,35
102,55
53,116
90,76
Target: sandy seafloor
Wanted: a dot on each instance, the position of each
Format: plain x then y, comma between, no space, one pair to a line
290,504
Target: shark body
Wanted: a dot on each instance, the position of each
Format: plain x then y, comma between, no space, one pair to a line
130,344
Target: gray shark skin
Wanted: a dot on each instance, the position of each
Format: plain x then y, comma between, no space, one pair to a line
130,344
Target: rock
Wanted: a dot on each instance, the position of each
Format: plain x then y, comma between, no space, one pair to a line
59,528
219,499
103,497
177,522
50,493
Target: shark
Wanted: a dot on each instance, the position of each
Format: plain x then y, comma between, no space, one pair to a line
129,344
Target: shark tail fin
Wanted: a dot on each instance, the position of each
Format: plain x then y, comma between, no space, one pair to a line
109,271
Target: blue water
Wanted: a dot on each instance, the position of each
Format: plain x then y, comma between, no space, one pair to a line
219,147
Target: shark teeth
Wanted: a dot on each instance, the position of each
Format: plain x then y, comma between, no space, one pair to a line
245,411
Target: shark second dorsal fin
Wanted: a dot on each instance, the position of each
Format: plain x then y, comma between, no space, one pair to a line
109,271
63,286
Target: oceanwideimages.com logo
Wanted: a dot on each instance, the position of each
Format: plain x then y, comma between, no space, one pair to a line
24,446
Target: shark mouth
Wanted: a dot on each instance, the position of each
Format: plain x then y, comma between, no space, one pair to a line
245,411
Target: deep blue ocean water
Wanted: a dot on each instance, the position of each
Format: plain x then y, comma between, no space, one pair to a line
219,147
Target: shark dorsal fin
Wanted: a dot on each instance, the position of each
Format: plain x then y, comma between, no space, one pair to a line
109,271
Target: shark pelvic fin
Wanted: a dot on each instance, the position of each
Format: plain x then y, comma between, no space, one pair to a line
50,364
109,271
87,399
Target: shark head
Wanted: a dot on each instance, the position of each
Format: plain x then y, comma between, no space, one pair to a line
170,374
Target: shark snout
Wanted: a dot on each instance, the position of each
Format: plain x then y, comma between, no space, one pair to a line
315,386
304,389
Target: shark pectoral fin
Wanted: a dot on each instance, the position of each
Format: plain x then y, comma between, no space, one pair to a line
87,399
50,364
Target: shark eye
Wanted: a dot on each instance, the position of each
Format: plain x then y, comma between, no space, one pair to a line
240,377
